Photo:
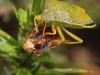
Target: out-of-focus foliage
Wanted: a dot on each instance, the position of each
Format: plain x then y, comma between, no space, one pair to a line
23,63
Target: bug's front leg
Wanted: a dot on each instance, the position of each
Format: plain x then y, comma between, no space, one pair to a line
35,23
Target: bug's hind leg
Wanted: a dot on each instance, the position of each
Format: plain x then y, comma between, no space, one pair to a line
78,40
62,38
60,34
54,32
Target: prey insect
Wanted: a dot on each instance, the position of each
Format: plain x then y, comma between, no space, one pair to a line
34,44
63,14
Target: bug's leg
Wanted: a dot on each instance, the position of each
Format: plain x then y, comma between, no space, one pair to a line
36,25
35,29
53,31
57,41
43,33
78,40
60,34
61,39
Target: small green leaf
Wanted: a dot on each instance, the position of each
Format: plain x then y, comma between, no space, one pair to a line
57,71
44,58
35,67
6,71
15,11
29,15
22,17
36,6
8,49
8,38
11,60
21,71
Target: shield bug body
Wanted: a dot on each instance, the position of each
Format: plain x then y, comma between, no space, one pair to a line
67,15
63,14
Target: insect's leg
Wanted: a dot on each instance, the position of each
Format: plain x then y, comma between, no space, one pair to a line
78,40
60,34
35,29
43,33
36,25
62,38
53,31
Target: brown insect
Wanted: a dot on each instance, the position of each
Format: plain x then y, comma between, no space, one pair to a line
36,43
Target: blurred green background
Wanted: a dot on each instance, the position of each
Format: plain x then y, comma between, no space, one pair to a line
84,56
